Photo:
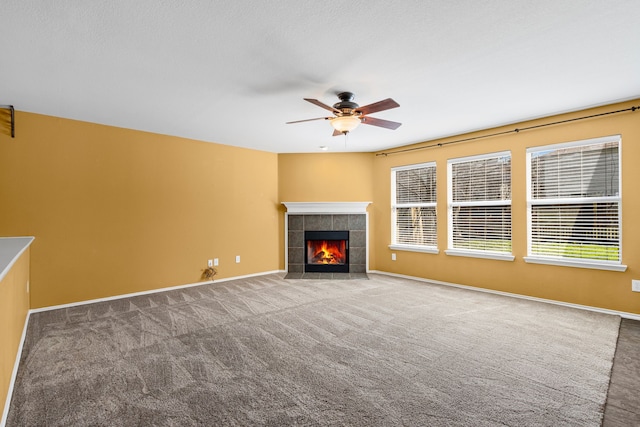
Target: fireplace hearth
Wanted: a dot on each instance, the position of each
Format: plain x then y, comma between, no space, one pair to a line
326,251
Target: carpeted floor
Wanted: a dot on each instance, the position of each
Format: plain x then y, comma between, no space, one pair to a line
271,352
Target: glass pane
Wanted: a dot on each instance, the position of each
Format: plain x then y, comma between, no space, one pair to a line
416,185
486,228
416,226
585,171
584,230
480,180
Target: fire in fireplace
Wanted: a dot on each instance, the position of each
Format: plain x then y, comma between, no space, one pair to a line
327,251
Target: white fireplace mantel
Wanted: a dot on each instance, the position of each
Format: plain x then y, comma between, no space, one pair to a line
309,208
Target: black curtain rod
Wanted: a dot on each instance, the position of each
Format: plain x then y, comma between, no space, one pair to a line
13,118
517,130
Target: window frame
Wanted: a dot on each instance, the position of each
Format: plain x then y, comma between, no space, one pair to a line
559,201
432,249
451,204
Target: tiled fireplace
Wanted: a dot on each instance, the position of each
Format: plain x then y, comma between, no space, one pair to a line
339,232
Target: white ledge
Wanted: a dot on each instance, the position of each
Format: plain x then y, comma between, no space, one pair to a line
595,265
415,248
10,250
480,254
326,207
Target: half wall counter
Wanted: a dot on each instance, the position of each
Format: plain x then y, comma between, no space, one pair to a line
14,309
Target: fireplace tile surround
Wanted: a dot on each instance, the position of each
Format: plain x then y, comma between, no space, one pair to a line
303,217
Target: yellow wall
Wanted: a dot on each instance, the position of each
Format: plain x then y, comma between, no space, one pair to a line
14,305
325,177
116,211
598,288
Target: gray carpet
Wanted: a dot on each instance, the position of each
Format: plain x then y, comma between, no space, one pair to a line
271,352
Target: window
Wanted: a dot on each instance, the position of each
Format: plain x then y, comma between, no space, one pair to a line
479,206
573,198
413,208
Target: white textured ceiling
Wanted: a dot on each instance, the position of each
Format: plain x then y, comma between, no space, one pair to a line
233,72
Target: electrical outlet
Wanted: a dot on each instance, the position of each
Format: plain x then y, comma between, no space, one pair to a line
635,285
237,259
215,262
210,263
393,257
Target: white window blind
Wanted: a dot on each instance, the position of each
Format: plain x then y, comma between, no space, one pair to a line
480,203
414,205
573,196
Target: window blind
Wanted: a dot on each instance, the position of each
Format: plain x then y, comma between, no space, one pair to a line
574,200
480,203
414,219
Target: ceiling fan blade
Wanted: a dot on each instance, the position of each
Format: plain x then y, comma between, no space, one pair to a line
308,120
380,123
385,104
336,132
322,105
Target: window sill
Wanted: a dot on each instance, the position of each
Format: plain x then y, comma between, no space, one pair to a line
579,264
415,248
479,254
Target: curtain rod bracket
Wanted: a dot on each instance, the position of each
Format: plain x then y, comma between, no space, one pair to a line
12,111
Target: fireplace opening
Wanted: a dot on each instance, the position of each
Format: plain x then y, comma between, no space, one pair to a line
326,251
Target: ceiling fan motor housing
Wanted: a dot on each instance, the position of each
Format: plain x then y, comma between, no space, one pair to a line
346,104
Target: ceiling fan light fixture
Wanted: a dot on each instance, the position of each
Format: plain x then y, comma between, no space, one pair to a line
344,124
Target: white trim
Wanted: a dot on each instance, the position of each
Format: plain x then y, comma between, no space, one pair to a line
566,262
394,211
286,242
415,248
415,166
468,159
367,244
481,203
620,196
14,373
623,314
575,200
152,291
528,198
245,276
579,143
480,254
326,207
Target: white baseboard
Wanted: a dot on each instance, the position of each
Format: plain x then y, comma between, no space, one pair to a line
152,291
264,273
623,314
16,365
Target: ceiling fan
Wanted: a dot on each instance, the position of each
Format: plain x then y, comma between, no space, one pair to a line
347,115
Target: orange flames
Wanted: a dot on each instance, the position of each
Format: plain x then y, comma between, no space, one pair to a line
326,252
